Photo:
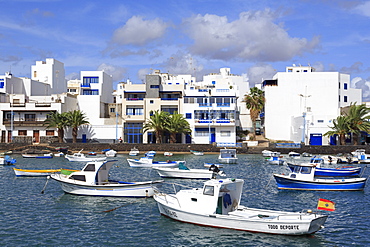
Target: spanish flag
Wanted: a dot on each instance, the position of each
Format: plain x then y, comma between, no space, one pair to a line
327,205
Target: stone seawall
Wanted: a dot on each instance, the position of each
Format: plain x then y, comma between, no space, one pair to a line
175,148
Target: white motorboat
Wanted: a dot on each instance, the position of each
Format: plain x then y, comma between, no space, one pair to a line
294,155
93,180
167,154
184,172
111,153
267,153
7,160
134,152
148,162
83,158
217,204
228,156
198,153
38,156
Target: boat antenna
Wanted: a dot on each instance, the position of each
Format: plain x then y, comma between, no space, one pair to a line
43,189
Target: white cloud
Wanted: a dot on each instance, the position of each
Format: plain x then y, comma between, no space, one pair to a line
363,84
260,72
137,31
363,9
254,36
116,72
142,73
181,63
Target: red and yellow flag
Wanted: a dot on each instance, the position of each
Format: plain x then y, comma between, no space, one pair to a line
327,205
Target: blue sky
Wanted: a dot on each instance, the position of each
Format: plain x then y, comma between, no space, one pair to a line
128,39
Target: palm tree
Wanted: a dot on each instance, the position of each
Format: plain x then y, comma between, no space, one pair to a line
255,102
76,118
157,122
340,128
358,119
177,124
57,120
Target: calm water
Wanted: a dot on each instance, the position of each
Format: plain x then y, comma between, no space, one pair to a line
29,218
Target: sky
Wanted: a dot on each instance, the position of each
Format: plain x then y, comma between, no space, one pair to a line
128,39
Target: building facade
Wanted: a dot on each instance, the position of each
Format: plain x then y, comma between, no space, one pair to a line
302,103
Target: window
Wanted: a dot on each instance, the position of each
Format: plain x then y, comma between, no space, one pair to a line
208,190
22,132
1,83
79,177
133,133
225,133
154,86
151,101
72,90
308,109
306,170
35,74
90,168
134,111
345,99
30,117
345,86
320,121
88,80
112,110
50,132
290,70
188,115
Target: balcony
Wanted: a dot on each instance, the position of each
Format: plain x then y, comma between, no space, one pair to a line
173,99
134,99
205,104
24,123
223,104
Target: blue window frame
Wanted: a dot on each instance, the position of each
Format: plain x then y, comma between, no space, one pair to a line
154,86
345,99
133,133
90,92
188,115
345,86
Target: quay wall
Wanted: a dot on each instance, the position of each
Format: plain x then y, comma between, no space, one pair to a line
174,147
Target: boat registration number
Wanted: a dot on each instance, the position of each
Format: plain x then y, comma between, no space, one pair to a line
170,213
284,227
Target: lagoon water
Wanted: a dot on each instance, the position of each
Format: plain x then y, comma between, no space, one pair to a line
29,218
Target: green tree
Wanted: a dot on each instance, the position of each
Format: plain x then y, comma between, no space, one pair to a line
340,127
76,118
358,120
177,124
255,102
57,120
157,122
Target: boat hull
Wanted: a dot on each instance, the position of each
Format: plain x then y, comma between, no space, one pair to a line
191,173
294,224
139,189
84,159
284,182
34,173
228,160
334,172
148,163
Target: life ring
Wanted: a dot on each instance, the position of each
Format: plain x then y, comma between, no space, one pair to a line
234,205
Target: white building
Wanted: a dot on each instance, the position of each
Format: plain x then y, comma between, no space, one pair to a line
50,72
95,100
301,104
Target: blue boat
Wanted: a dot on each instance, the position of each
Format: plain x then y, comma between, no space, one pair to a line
330,172
303,178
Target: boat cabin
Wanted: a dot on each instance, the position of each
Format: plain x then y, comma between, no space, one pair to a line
316,161
218,196
227,153
94,173
302,171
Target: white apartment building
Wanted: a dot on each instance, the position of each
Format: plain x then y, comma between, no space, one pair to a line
302,103
25,104
50,72
209,106
94,98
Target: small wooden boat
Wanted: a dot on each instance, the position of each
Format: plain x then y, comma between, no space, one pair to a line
199,153
228,156
148,163
81,157
217,204
111,153
303,178
134,152
7,160
93,180
38,156
184,172
34,173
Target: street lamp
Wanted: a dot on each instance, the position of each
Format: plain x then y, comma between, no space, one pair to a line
304,116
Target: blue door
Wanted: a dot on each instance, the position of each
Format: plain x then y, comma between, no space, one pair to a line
316,139
84,138
213,137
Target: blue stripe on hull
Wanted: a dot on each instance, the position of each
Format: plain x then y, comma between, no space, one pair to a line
331,173
300,185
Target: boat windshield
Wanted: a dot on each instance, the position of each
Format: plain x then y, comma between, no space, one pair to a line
208,190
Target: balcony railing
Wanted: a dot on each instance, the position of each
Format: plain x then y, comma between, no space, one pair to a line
169,99
223,104
205,104
133,99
